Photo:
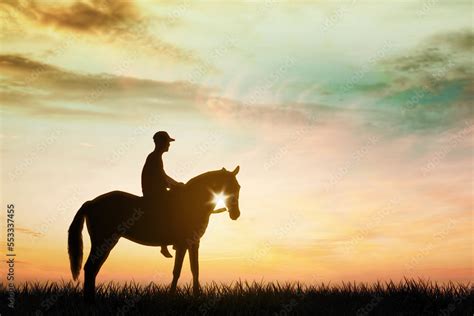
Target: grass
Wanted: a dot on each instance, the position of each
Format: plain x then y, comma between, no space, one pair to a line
408,297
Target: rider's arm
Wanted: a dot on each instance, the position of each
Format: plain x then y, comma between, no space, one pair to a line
171,182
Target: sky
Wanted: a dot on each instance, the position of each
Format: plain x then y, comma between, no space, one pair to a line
351,121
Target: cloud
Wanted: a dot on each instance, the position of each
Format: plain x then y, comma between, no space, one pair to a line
85,144
93,16
426,88
40,75
438,71
423,59
443,57
461,40
20,64
120,22
233,110
432,85
28,231
38,88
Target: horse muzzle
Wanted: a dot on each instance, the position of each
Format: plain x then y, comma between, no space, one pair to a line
234,213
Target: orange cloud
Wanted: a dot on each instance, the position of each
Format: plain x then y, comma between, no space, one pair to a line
111,21
93,16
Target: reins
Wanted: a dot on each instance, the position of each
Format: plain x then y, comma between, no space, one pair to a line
220,210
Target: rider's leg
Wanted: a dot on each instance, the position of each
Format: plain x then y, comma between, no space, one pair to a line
165,252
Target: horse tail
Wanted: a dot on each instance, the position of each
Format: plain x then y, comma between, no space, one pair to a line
74,241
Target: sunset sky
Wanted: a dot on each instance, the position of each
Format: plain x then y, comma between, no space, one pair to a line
352,123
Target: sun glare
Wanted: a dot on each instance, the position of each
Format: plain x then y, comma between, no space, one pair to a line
219,200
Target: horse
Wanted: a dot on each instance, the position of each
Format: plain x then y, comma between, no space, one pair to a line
180,221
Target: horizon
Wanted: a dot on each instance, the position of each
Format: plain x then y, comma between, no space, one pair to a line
351,123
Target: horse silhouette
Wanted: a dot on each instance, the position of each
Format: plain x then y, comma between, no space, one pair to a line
180,221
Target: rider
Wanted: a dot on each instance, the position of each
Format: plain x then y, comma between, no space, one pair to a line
155,182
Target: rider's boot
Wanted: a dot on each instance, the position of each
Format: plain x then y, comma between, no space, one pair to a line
165,252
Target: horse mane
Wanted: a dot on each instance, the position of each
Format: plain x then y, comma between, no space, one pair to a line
203,176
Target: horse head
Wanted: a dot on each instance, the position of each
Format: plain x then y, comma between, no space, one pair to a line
226,186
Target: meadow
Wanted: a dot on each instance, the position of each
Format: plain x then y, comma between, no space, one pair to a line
408,297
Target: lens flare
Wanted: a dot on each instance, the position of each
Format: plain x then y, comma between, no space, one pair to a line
219,200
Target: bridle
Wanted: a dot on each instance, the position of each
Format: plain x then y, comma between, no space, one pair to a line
220,210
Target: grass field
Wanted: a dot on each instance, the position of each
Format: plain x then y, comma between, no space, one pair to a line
408,297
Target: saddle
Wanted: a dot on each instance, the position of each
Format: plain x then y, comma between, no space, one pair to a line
163,206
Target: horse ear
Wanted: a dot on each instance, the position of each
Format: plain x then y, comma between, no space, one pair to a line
236,170
223,169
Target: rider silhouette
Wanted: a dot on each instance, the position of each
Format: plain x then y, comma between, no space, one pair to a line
155,182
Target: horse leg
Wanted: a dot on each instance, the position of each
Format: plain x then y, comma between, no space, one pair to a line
194,262
178,264
99,253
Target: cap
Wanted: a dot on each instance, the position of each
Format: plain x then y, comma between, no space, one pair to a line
162,136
